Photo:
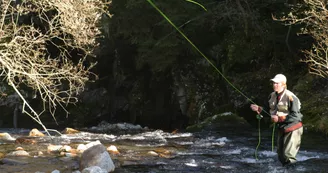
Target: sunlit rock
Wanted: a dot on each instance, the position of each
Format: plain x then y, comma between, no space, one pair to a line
74,151
19,148
97,155
18,153
163,151
167,156
91,144
54,148
66,148
81,148
94,169
2,155
152,153
62,153
40,153
25,141
70,131
113,149
36,133
6,137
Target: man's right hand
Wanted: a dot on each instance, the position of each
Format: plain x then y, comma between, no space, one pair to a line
256,108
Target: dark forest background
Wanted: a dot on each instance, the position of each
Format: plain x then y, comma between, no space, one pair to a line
150,75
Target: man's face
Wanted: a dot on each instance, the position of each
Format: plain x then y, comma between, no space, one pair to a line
278,87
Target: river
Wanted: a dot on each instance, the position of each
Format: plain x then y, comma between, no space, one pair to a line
227,150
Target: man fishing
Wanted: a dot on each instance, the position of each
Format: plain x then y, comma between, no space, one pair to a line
284,108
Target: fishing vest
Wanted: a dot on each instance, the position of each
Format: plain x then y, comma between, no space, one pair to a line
282,104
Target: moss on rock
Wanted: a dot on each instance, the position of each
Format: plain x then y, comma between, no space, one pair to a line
219,121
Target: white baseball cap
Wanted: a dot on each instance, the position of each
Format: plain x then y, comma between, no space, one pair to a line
279,78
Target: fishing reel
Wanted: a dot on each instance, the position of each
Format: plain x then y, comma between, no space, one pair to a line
259,116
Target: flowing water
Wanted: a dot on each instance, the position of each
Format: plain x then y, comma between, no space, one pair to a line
155,151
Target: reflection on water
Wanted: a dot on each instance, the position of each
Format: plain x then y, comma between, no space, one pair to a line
159,151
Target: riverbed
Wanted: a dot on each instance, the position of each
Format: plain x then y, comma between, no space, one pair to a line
235,150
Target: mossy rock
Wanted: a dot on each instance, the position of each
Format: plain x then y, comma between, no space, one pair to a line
219,121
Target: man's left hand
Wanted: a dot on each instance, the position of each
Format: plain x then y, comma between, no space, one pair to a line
274,118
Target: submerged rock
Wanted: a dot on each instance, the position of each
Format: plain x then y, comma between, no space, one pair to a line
26,141
12,162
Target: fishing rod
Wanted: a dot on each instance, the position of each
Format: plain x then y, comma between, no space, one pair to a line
259,116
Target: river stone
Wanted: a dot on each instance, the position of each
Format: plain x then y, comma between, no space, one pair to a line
90,144
94,169
12,162
25,141
36,133
70,131
18,153
97,155
6,137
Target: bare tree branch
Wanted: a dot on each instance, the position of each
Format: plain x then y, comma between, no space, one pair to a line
25,57
313,14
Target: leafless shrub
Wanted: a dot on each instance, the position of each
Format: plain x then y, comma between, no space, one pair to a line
24,55
313,14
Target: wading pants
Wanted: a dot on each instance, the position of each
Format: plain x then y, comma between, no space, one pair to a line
288,145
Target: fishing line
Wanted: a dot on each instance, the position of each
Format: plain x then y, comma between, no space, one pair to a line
201,53
272,136
259,135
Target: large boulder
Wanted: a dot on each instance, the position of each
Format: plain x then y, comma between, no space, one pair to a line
225,121
97,155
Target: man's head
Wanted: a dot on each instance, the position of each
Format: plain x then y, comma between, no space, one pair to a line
279,83
279,78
